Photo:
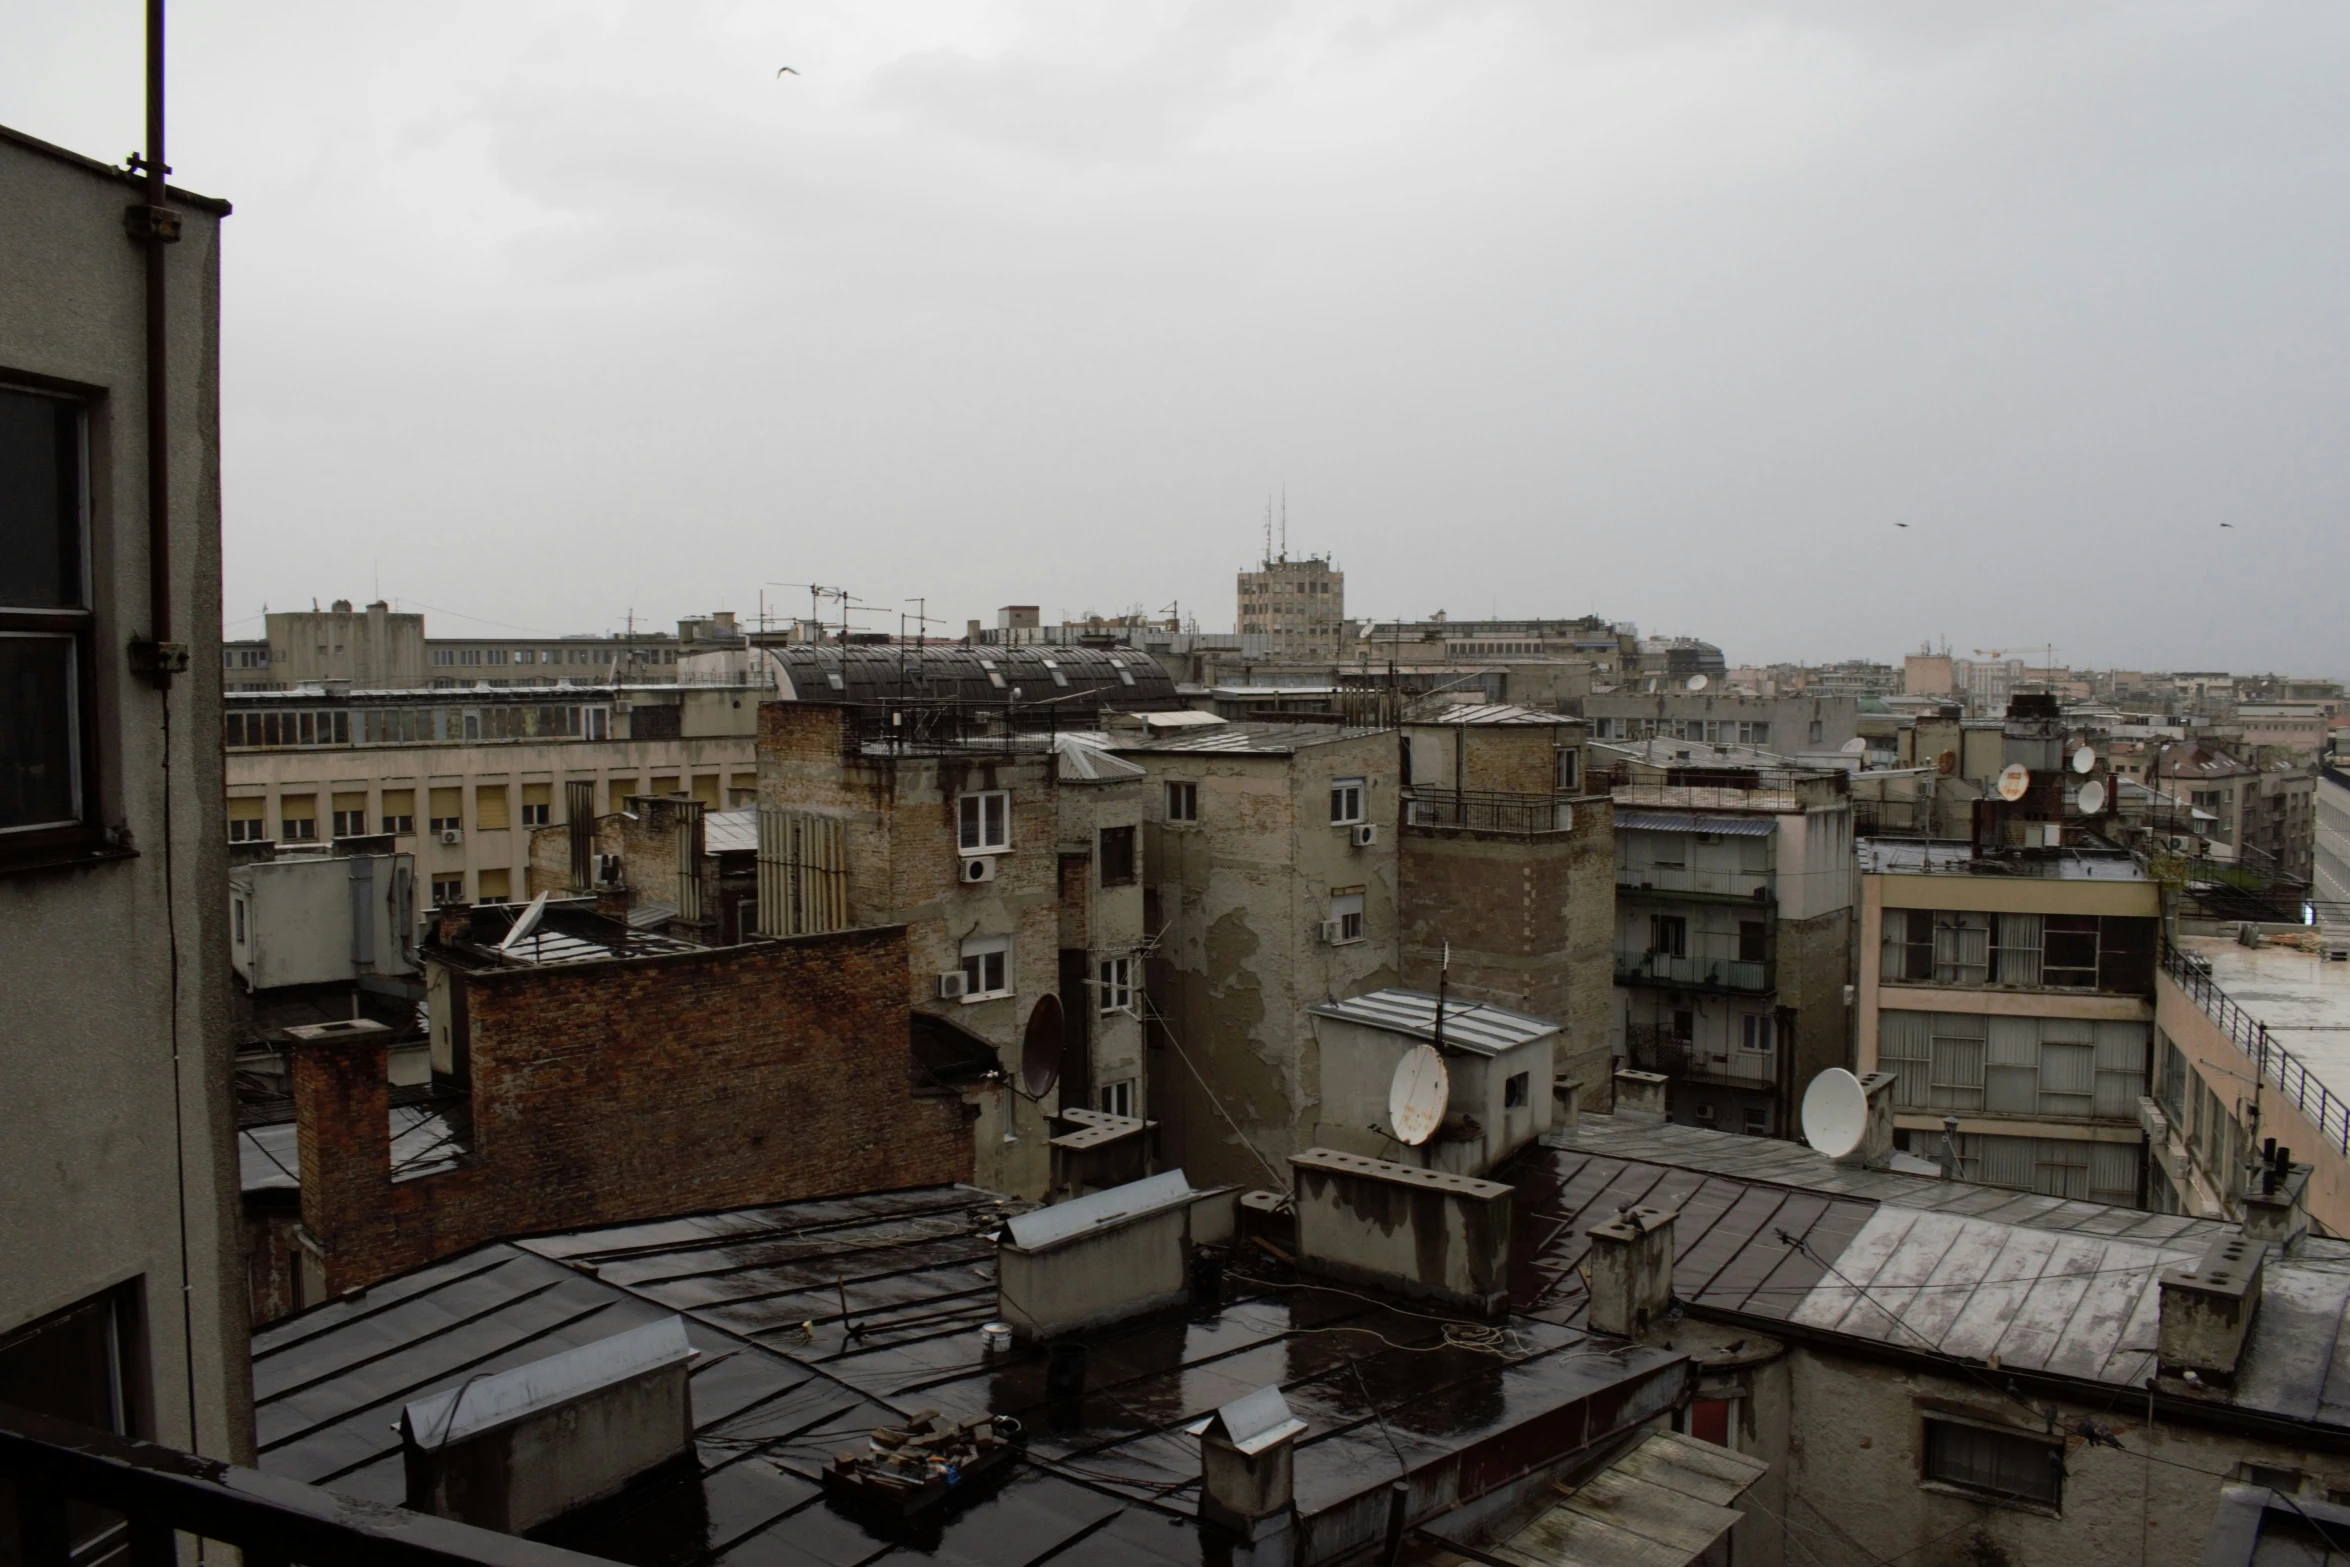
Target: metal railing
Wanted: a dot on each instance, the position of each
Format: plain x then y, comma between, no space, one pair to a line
1475,810
160,1492
1692,973
2272,1062
1654,1047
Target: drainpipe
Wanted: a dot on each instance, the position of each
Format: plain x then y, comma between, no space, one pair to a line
154,225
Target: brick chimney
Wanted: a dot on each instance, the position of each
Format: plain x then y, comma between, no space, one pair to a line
343,1138
1631,1262
1874,1151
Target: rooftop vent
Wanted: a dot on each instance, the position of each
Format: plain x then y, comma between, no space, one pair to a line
1097,1259
515,1448
1247,1464
1640,1098
1632,1271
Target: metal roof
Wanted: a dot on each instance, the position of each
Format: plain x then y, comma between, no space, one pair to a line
1663,1504
1263,739
782,1384
1491,713
1076,680
1082,1215
426,1139
729,832
1082,759
1630,820
1475,1026
483,1404
1919,1265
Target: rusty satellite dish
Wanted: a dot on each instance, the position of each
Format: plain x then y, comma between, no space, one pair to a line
1417,1097
2014,779
1946,763
2092,797
2084,759
1040,1048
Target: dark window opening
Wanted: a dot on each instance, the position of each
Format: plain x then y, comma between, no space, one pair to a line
1998,1466
1516,1090
1754,943
1117,856
45,630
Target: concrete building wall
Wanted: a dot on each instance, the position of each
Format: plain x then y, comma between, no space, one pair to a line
1358,1070
1792,724
322,919
372,648
635,1089
118,1168
1237,897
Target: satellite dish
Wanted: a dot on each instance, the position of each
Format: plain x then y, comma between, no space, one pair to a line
2014,779
1697,682
1416,1099
1856,746
1835,1112
2092,797
1040,1047
2084,759
525,925
1946,763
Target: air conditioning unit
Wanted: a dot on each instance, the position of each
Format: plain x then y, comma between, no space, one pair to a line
951,986
979,868
1327,932
1364,835
452,835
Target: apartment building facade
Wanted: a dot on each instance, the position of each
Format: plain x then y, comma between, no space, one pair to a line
1711,716
122,1306
1733,933
379,648
1299,605
459,779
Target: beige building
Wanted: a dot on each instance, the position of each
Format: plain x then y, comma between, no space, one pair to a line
122,1305
378,648
1300,605
458,779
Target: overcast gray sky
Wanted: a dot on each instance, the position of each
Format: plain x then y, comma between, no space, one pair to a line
549,312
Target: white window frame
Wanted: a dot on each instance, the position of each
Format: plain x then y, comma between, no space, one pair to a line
1182,800
975,956
1346,912
978,811
1114,986
1116,1098
1346,801
1758,1032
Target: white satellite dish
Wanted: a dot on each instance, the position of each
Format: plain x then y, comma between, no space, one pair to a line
1858,745
1835,1112
2092,797
1416,1099
2084,759
525,925
2014,779
1697,682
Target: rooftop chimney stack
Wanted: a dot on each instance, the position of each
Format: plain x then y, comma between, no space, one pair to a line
1631,1263
2276,1199
1640,1097
2206,1310
1874,1151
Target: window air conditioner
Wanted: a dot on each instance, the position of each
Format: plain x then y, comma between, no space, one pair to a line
452,835
979,868
1365,835
1327,932
950,986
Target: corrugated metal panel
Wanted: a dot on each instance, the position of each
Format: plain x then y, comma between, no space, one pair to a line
803,872
1677,821
1046,1226
1471,1025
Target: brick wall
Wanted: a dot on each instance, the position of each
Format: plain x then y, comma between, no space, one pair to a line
631,1089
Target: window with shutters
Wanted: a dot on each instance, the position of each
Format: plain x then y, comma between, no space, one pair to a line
489,807
1346,913
538,804
496,884
448,889
1962,948
247,820
399,810
297,818
350,813
2001,1467
447,810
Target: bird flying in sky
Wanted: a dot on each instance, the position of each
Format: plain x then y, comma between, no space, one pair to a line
786,71
1901,525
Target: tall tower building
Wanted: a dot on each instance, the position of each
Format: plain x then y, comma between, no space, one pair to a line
1300,604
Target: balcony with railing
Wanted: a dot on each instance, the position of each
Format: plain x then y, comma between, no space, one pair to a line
67,1477
1677,971
1703,884
1654,1047
2271,1062
1488,811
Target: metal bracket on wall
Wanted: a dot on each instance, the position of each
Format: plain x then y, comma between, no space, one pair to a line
147,224
158,661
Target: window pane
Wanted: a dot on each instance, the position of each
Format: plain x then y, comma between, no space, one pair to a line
40,483
40,783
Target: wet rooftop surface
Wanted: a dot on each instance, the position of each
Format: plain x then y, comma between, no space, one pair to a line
784,1382
2303,1000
